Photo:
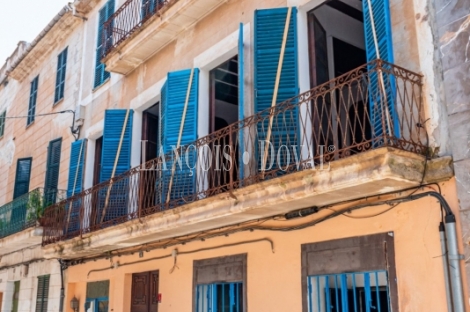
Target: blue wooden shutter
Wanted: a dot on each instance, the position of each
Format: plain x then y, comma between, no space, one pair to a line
104,14
113,125
241,99
60,78
381,19
269,33
32,100
77,163
52,171
173,101
23,174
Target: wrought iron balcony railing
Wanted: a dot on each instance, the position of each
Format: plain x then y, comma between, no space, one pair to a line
24,211
376,105
128,19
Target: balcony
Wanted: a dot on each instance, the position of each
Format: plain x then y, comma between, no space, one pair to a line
25,212
140,28
343,144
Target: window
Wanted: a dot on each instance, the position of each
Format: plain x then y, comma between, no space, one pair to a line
52,171
220,284
43,293
369,284
2,123
32,100
60,79
97,296
101,75
144,292
16,297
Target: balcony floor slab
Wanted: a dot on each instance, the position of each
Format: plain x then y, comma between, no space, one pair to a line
370,173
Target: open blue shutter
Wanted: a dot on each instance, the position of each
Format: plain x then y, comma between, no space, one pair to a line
377,99
119,193
173,101
52,172
269,33
77,163
104,14
241,99
113,125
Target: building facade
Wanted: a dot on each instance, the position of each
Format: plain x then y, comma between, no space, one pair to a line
215,154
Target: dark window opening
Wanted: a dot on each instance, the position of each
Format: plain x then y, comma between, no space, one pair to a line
223,112
337,46
150,147
97,163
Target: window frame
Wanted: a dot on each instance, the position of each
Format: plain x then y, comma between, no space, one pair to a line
213,263
33,97
61,76
362,249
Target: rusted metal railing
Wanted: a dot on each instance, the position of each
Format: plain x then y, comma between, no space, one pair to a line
131,16
343,117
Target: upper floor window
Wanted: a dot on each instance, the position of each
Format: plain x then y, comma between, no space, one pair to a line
60,79
101,75
2,123
32,100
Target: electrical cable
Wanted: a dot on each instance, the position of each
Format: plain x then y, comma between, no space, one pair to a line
39,115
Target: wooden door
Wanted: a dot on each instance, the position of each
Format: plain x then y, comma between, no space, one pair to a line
144,295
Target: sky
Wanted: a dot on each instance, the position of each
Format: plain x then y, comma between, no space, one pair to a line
23,20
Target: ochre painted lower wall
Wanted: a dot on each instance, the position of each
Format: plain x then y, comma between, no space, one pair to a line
274,279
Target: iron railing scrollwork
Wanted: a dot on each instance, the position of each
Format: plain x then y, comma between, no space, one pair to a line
376,105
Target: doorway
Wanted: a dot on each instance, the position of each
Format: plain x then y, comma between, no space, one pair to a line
149,196
223,111
144,294
337,46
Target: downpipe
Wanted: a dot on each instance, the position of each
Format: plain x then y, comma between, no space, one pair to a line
445,264
453,256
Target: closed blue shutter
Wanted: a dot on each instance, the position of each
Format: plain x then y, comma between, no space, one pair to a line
241,99
18,214
269,33
104,14
60,79
119,193
52,172
377,99
32,100
173,101
77,162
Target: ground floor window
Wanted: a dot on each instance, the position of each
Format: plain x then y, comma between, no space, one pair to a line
349,292
220,297
97,297
220,284
355,274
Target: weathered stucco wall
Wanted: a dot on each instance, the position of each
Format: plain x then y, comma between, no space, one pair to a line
274,279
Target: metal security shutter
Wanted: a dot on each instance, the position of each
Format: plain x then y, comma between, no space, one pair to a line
269,34
32,100
60,79
104,14
52,171
43,293
173,102
382,87
23,174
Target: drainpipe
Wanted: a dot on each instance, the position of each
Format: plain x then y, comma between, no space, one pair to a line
62,290
445,263
453,256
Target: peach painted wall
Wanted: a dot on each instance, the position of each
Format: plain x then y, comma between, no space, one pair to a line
274,279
